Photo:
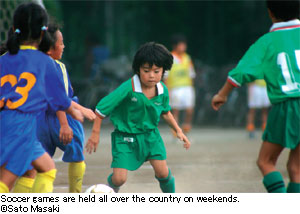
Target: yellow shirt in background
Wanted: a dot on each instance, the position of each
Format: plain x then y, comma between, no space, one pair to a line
260,82
182,72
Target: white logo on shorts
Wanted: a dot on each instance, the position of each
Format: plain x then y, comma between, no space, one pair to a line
129,139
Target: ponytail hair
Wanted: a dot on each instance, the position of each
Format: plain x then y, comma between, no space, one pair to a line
50,38
29,21
13,43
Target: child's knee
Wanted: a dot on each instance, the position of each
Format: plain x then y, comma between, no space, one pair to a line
260,163
167,184
119,179
44,163
164,176
266,162
50,165
293,168
162,173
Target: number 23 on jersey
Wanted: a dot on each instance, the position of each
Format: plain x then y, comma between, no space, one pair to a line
23,91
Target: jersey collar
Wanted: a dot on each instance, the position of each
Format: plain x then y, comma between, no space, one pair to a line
27,47
136,85
285,25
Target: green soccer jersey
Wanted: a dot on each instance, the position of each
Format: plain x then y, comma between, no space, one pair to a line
130,110
275,57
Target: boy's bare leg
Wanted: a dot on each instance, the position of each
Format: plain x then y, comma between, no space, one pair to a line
268,155
117,178
160,168
7,178
163,175
293,167
266,162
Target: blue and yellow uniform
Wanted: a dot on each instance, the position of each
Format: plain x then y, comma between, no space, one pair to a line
48,134
49,127
29,83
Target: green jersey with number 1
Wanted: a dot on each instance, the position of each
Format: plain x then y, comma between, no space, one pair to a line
274,57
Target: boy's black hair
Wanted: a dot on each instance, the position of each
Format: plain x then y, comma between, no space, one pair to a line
49,41
284,10
178,38
28,20
153,54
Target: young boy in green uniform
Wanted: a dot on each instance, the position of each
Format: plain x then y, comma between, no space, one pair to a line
275,57
135,108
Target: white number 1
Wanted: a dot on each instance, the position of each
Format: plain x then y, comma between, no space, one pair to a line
284,61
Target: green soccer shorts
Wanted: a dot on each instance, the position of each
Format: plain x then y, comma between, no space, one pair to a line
283,125
130,151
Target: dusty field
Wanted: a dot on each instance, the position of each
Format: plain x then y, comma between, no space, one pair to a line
219,160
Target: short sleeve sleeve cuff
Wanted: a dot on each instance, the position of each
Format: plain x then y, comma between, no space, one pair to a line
100,114
233,82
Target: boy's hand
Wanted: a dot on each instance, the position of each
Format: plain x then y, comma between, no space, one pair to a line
92,144
65,134
217,101
183,138
88,114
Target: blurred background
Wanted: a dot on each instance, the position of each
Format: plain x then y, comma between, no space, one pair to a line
101,38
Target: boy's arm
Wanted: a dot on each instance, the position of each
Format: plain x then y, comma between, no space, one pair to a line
168,117
221,97
93,141
249,68
104,107
65,132
87,113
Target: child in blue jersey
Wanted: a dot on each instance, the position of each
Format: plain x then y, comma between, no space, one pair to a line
275,57
135,108
58,129
29,83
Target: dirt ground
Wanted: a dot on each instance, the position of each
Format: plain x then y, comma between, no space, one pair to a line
219,160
